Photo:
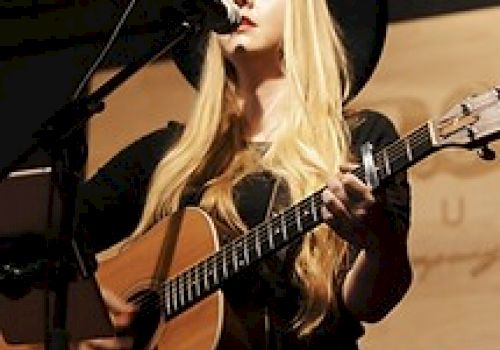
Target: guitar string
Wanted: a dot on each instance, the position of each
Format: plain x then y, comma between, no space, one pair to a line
260,233
154,303
230,248
216,261
389,147
397,150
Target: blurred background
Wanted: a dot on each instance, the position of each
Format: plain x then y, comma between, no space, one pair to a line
436,54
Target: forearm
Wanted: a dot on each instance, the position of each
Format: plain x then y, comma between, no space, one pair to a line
377,281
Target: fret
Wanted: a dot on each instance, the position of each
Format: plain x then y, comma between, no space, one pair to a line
304,218
387,162
409,153
166,297
270,235
215,270
283,227
308,218
205,275
246,254
313,209
224,262
189,284
174,294
258,248
297,219
234,253
313,215
181,291
197,287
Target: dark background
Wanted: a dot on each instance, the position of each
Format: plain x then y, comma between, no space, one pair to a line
46,46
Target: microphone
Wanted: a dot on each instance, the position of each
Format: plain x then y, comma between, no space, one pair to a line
221,16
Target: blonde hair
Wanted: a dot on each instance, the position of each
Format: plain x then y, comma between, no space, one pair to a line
310,147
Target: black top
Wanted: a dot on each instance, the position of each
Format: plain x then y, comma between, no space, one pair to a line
110,205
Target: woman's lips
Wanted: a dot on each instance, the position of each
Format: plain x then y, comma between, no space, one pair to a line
246,23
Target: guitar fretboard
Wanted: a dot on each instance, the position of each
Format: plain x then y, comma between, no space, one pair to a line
186,289
401,154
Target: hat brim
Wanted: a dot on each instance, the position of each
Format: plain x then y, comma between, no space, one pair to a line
363,24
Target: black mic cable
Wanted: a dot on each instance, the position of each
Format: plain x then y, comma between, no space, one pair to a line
221,16
105,50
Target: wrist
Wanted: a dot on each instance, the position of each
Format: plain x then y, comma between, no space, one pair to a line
386,248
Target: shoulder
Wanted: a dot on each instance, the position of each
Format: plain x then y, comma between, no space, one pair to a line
148,148
137,160
161,138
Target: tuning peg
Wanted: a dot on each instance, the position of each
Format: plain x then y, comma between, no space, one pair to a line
486,153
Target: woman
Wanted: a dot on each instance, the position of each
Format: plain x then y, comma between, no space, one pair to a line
268,128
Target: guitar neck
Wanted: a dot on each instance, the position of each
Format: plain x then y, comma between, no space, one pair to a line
401,154
205,277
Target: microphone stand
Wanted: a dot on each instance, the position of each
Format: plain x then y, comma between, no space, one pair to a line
58,137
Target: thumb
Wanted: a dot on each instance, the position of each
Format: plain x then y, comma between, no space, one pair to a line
121,311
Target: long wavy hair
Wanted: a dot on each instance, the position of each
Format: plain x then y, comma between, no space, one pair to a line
311,145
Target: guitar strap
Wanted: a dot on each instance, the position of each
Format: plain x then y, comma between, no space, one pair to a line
168,247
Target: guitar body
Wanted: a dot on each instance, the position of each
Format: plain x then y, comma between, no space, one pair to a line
170,247
134,269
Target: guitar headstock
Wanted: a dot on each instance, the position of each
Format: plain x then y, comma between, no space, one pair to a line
471,124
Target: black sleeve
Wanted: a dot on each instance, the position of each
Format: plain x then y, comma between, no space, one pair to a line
374,127
109,205
394,193
340,327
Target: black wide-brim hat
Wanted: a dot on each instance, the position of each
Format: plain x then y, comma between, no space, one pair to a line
362,22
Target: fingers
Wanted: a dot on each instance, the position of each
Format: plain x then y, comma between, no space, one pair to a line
120,311
348,167
333,206
116,304
359,195
121,314
118,343
346,194
346,204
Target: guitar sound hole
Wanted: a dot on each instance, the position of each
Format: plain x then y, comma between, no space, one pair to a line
147,317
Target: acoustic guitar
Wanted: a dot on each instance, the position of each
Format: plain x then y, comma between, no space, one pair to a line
174,273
